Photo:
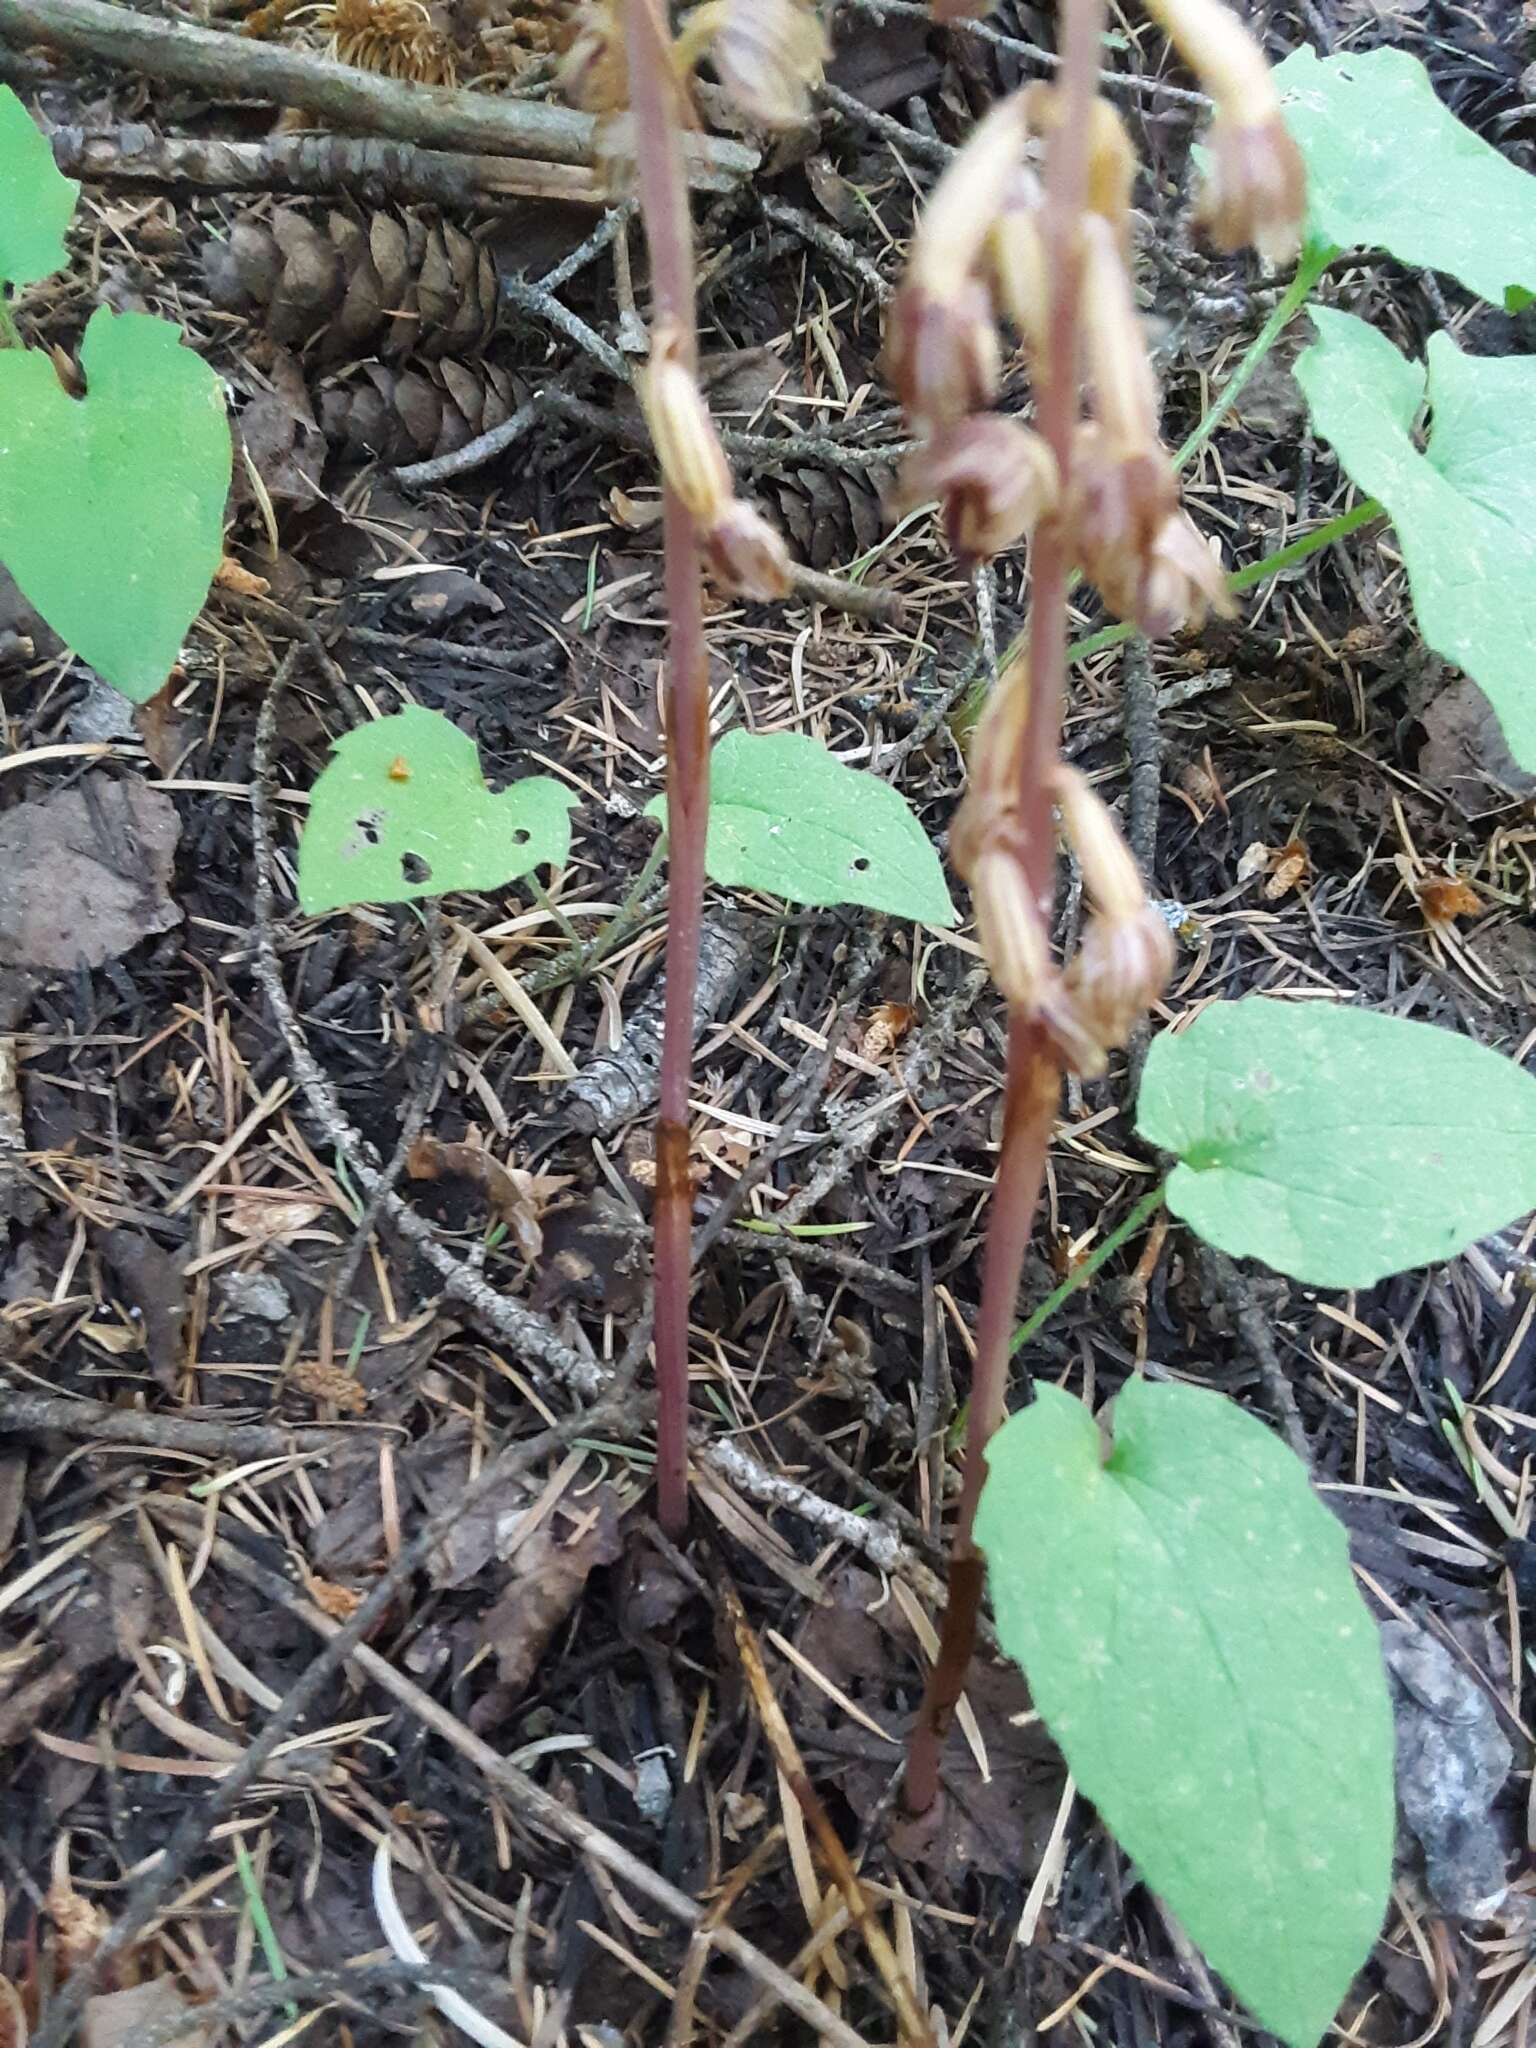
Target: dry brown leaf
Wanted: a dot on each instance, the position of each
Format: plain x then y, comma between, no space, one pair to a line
887,1027
548,1574
1290,867
84,873
1444,898
119,2019
339,1602
518,1197
269,1219
233,575
332,1383
1284,867
79,1925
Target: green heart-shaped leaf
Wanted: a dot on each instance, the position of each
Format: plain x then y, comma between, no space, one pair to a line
1464,507
37,202
1186,1616
1390,167
1338,1145
787,817
112,505
403,811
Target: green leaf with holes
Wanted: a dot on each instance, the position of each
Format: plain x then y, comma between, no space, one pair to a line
1183,1607
1338,1145
787,817
403,811
1464,506
112,505
37,202
1390,167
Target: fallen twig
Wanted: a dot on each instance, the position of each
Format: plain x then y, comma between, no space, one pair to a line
527,1799
367,167
26,1414
136,1913
439,116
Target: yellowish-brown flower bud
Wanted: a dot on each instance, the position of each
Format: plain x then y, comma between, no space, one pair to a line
742,549
687,446
994,761
747,555
1256,191
593,72
1111,159
1011,929
1110,873
1126,953
1120,502
769,54
941,347
1119,970
1256,188
1184,581
1124,388
994,478
1016,261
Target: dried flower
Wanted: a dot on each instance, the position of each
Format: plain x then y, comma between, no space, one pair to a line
593,72
1012,930
994,477
1120,502
942,354
1256,192
395,37
747,555
1126,953
687,446
742,549
1129,533
1118,972
769,54
1184,582
942,350
1256,189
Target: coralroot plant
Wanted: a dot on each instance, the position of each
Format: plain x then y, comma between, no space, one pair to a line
1093,487
626,67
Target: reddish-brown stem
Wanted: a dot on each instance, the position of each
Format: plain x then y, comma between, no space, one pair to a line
663,183
1033,1084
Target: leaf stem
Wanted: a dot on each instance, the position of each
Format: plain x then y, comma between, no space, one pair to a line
1127,1227
1315,259
664,203
1244,579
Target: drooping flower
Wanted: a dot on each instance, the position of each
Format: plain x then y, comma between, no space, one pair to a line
995,479
743,550
1256,189
942,350
770,55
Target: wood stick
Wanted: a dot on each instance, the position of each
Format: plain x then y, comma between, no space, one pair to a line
369,167
441,117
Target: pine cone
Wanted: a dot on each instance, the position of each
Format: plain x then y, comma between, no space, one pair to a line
411,415
384,286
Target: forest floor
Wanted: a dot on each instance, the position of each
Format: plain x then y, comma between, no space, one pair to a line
235,1383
